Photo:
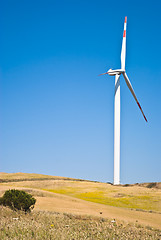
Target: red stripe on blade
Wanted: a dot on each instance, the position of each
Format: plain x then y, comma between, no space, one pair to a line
124,35
139,105
102,74
125,19
142,111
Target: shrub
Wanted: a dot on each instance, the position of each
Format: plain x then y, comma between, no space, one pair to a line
152,185
16,199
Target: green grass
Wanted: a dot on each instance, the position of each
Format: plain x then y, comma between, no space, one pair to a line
46,225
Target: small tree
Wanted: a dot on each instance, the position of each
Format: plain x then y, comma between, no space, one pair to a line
16,199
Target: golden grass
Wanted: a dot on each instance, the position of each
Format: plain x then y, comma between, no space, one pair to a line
67,195
26,176
133,197
142,202
47,225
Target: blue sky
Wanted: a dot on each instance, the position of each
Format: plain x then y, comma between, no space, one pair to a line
56,114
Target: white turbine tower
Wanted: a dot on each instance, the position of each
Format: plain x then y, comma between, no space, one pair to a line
117,74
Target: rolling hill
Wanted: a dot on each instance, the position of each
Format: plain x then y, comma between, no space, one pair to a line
137,203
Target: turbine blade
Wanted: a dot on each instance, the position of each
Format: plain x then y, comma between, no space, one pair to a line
123,51
102,74
132,91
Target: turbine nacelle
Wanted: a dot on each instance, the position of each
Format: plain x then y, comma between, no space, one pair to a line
115,72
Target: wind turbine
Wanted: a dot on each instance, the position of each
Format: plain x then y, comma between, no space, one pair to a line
117,74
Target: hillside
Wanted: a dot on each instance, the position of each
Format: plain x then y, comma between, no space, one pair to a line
54,225
128,203
16,177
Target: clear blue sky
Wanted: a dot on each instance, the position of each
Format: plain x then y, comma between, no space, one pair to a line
56,114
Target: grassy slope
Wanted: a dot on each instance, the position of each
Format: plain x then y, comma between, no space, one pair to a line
7,177
133,197
47,225
125,197
130,197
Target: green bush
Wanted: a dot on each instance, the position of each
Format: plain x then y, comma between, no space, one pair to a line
152,185
16,199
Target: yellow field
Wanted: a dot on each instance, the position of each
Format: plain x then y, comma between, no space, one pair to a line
130,203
